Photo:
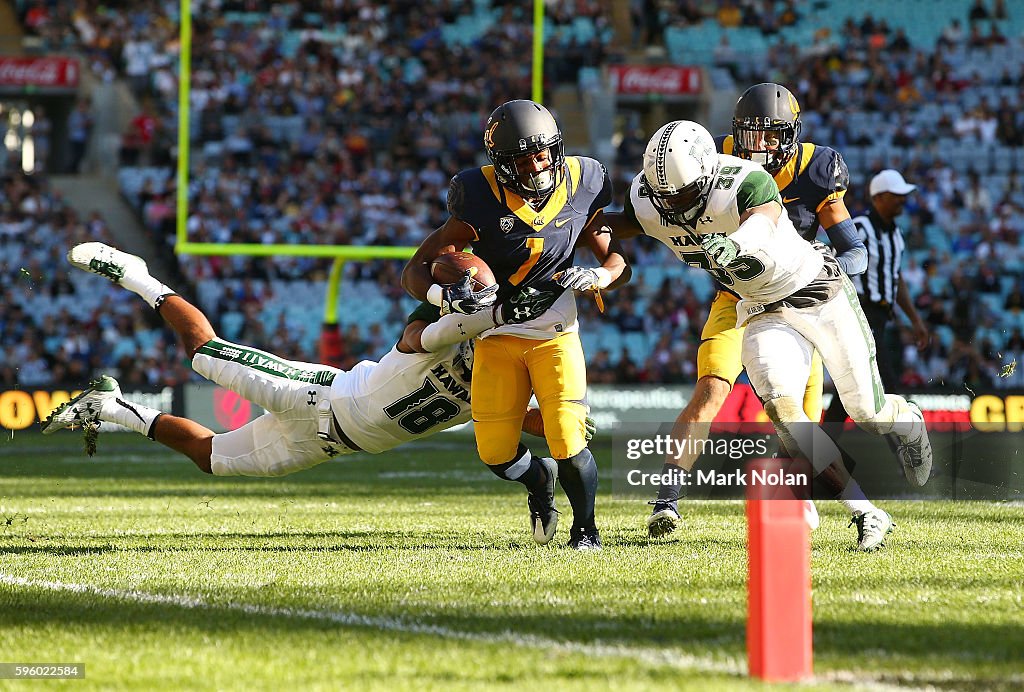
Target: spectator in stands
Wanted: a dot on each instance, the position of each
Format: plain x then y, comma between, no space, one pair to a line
1014,302
952,36
977,198
729,15
79,129
1007,131
600,369
978,11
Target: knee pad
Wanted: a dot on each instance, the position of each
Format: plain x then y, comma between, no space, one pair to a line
578,461
512,470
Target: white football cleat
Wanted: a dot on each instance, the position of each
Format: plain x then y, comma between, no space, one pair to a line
811,515
872,528
915,450
108,262
84,408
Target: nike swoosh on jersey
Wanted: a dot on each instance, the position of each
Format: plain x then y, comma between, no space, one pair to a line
787,200
561,222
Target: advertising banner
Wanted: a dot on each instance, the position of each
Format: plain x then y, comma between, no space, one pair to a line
23,408
52,74
664,80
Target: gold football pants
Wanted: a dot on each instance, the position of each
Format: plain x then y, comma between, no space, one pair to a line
506,371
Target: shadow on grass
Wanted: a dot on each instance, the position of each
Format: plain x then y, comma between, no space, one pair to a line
286,541
698,632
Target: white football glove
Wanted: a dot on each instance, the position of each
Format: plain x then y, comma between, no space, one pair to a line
720,248
578,279
583,278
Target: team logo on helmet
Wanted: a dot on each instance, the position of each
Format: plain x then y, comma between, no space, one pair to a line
489,134
794,105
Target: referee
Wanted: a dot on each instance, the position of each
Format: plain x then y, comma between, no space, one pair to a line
881,287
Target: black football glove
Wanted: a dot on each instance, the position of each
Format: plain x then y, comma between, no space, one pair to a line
525,304
461,298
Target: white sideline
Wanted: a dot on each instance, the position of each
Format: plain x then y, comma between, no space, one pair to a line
673,659
656,657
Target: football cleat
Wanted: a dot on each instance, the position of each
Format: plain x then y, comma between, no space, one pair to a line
664,518
543,519
108,262
872,528
83,409
811,515
915,451
585,539
543,515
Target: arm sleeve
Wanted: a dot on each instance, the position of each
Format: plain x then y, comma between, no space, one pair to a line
756,189
753,233
850,251
453,329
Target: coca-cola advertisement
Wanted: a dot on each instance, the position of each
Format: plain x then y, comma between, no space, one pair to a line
44,73
667,80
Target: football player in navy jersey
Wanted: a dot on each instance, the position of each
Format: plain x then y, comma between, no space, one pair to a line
525,214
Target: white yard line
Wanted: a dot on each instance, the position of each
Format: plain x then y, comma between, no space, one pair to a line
650,656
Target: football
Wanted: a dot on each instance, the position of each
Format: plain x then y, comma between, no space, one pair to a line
450,267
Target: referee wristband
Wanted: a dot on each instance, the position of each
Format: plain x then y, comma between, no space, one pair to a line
435,295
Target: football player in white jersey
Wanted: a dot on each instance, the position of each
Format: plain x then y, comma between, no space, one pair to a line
314,412
724,214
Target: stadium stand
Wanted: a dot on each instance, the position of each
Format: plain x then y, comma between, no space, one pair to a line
390,104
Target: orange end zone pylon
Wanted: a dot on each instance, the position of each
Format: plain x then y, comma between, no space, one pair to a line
779,585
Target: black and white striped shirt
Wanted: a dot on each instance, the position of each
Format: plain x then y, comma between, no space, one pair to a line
879,284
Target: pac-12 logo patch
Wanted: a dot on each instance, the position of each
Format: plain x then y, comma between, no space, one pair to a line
506,223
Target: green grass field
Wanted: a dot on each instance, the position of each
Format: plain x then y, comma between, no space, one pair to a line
414,570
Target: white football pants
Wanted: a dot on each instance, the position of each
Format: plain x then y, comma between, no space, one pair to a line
283,440
777,348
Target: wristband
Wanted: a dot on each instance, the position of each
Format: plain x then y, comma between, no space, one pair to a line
604,277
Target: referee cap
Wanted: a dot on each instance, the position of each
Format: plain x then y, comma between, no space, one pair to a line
890,180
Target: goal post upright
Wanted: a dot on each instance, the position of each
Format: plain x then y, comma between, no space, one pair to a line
538,51
184,103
